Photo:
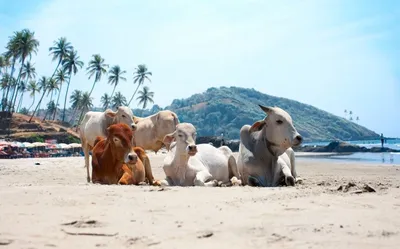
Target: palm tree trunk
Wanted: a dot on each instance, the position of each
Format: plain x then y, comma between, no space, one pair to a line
59,62
20,101
17,84
58,98
40,101
11,74
111,95
134,94
65,100
80,117
73,117
94,83
45,115
32,103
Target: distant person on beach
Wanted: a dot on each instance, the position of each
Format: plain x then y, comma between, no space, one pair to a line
382,139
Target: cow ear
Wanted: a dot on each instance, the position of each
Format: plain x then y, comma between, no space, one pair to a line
266,109
168,140
110,113
257,126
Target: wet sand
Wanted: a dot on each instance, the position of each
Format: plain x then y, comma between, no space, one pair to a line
51,206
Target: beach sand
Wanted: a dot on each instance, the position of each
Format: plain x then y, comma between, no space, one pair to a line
51,206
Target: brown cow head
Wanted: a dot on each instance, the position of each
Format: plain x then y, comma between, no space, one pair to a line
120,137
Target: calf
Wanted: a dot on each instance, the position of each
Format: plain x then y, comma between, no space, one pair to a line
113,155
188,164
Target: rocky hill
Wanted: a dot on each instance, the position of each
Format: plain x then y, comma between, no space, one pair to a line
227,109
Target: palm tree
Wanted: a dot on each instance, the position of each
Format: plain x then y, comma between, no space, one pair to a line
22,90
96,67
145,96
105,101
71,63
118,100
85,105
43,82
26,44
140,75
357,119
28,73
24,111
12,54
60,51
345,113
60,78
75,100
51,108
115,75
33,88
52,87
5,85
350,115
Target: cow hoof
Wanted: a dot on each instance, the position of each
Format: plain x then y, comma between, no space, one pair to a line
299,180
235,181
142,183
290,181
156,183
88,179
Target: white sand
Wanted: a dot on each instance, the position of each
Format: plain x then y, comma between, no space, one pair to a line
36,200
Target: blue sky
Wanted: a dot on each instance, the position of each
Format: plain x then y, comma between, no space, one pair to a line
333,54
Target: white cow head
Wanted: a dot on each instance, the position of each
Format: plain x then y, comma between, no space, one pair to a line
277,129
122,115
185,137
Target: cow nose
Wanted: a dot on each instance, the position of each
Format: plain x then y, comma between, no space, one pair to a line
132,157
133,126
299,138
192,147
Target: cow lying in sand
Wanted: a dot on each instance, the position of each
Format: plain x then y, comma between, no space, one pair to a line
265,154
188,164
151,130
115,161
95,124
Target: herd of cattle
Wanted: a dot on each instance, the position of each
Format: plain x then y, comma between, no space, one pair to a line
118,141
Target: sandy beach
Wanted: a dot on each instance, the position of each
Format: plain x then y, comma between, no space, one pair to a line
51,206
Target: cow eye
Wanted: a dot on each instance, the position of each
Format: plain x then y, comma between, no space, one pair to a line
279,121
180,135
123,116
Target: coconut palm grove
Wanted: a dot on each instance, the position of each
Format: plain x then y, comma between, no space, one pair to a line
20,80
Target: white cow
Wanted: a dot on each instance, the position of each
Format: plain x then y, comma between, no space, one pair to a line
151,130
188,164
265,154
96,123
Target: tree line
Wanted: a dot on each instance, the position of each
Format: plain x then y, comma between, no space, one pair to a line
20,80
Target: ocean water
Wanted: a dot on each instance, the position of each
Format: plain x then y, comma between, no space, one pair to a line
386,158
393,144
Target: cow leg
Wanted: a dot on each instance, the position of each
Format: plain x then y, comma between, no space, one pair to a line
86,153
233,172
289,179
202,177
126,179
166,182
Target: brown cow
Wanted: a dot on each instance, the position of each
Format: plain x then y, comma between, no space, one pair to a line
115,161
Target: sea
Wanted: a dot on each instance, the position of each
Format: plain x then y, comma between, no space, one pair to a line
385,158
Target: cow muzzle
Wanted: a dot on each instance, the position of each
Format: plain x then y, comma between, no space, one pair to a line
297,140
133,126
191,149
131,158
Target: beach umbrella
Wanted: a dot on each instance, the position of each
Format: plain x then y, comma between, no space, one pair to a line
75,145
27,145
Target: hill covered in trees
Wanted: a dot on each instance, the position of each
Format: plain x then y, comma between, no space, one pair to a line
226,110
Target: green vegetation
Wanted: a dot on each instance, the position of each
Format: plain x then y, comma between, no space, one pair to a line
226,110
18,75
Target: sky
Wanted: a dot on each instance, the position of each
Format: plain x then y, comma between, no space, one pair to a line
332,54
